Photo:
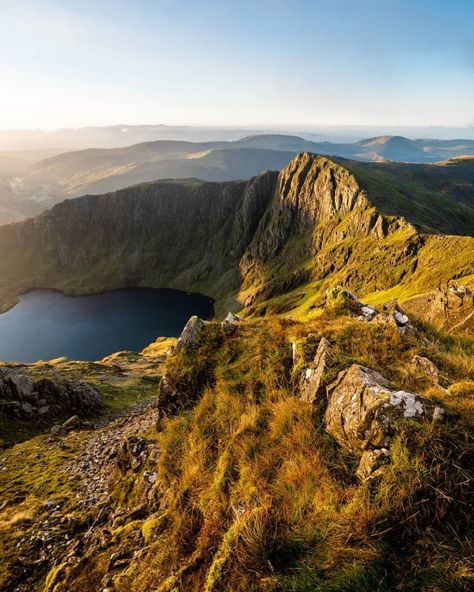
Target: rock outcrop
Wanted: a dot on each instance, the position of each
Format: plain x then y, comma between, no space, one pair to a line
312,379
341,299
231,320
426,368
22,397
191,332
363,410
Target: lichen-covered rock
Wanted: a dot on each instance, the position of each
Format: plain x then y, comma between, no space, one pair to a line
311,383
363,410
392,315
191,332
229,324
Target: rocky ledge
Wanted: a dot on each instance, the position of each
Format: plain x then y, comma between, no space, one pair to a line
23,398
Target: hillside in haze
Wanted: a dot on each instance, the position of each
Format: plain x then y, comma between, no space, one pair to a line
30,184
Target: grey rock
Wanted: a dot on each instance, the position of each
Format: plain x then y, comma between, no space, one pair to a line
191,332
372,463
45,397
426,368
363,409
83,396
27,409
231,319
311,382
57,430
73,423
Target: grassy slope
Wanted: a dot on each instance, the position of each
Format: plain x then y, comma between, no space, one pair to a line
401,265
252,495
436,198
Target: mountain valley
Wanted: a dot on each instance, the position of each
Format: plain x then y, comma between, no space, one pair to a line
318,437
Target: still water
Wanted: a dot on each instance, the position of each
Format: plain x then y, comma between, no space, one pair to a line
45,324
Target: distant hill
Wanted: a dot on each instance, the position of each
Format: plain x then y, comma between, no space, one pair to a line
28,185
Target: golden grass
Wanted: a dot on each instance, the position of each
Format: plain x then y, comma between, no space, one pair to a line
256,496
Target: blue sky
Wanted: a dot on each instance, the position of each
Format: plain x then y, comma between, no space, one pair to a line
236,63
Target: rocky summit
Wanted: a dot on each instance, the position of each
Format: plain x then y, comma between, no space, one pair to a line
274,244
315,435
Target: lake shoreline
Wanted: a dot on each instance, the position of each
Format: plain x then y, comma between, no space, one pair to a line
49,323
10,301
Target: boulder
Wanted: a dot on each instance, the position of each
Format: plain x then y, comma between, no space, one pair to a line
367,312
425,367
311,383
30,399
231,319
191,332
73,423
82,396
363,410
229,324
16,385
56,431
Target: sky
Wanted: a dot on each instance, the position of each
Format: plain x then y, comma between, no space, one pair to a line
300,63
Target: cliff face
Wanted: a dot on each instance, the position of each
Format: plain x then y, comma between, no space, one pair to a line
187,235
310,190
318,224
270,243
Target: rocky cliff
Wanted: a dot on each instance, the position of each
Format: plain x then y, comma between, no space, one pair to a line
275,243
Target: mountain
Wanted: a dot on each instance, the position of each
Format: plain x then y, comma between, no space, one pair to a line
321,440
112,136
274,243
28,190
439,197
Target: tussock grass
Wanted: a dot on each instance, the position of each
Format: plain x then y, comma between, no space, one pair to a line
254,495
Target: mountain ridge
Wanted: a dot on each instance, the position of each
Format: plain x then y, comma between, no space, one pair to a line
267,244
28,186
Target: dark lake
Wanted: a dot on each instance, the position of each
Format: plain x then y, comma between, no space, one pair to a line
46,324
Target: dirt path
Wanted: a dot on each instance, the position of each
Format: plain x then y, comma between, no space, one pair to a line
64,525
97,456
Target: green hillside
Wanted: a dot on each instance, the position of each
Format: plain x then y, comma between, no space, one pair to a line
436,198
